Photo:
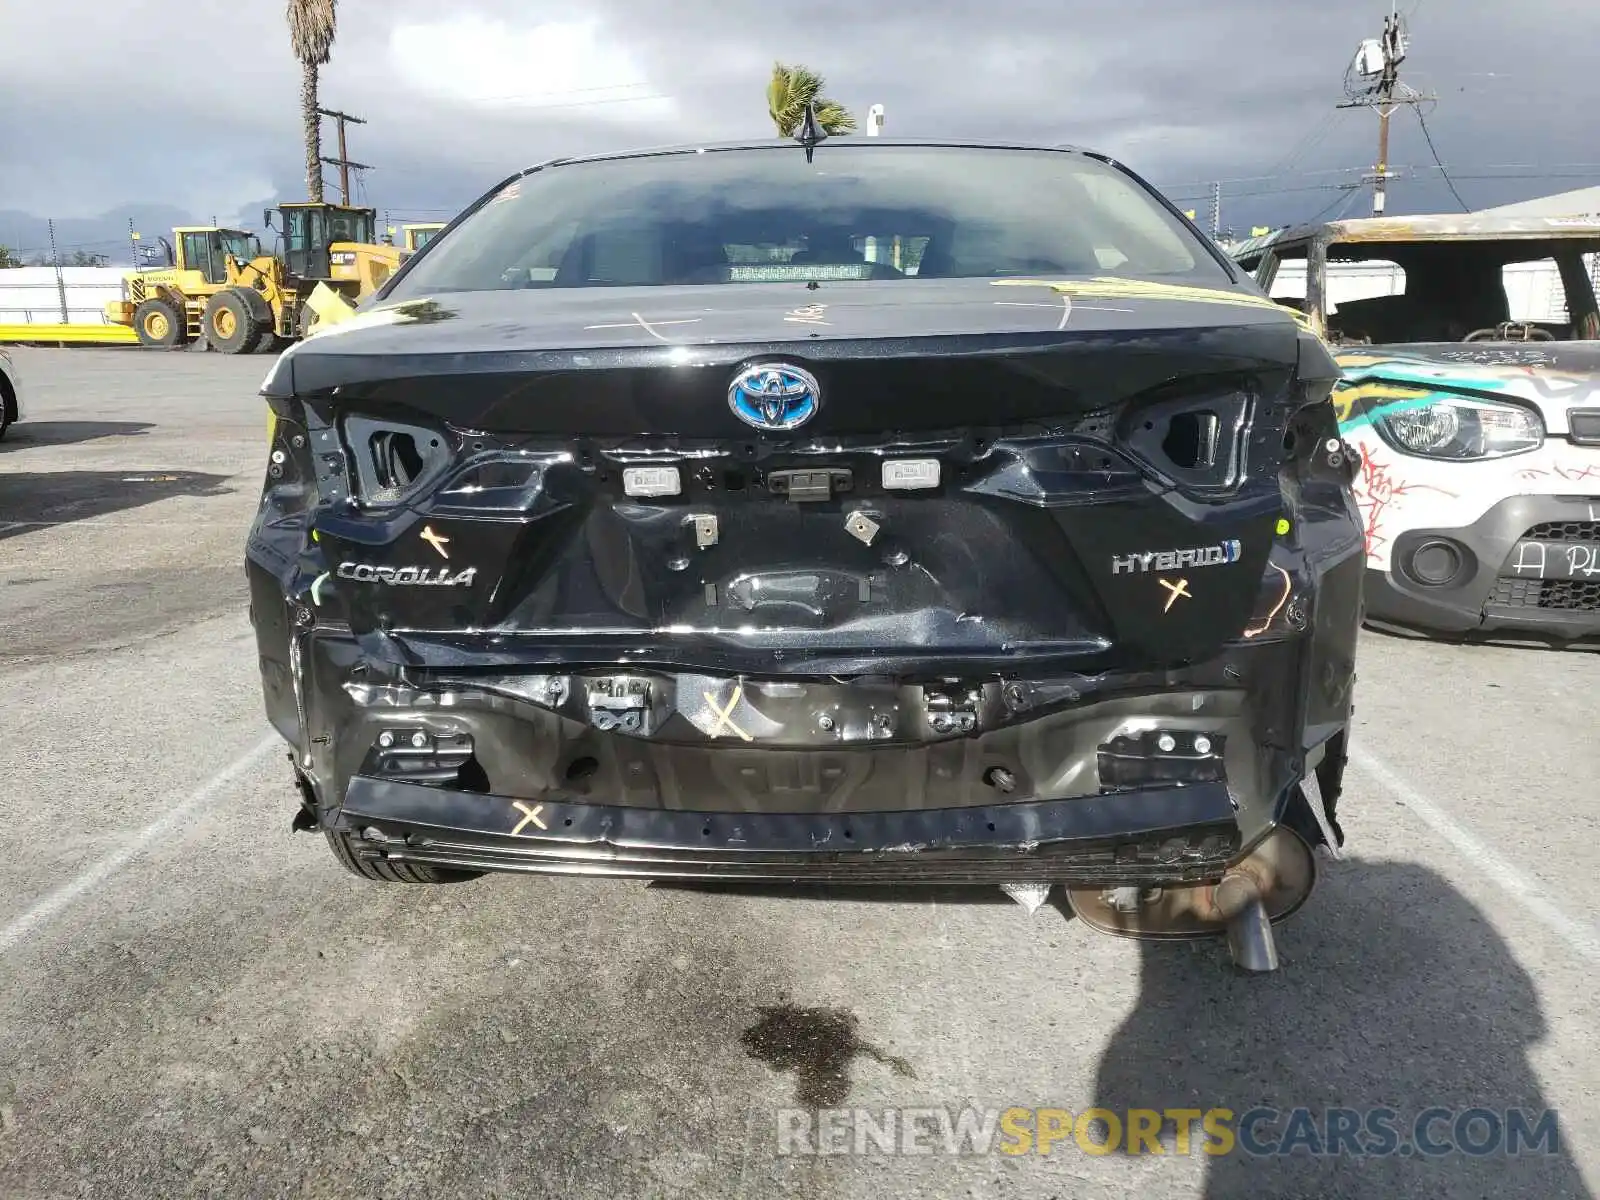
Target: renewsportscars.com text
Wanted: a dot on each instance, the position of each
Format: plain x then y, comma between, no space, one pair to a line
1259,1132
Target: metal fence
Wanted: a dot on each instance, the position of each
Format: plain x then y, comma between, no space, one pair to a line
58,295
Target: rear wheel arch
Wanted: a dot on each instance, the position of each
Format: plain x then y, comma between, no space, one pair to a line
8,405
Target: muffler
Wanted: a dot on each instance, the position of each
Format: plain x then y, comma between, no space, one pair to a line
1264,887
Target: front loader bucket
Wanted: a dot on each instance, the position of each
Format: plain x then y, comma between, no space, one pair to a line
328,307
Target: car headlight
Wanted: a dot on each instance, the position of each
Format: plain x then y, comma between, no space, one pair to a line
1459,428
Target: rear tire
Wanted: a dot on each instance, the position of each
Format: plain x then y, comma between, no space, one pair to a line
380,871
160,324
235,320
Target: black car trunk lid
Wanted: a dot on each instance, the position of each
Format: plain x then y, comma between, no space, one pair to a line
505,478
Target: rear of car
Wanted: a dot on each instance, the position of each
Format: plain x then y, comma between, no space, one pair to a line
893,513
10,392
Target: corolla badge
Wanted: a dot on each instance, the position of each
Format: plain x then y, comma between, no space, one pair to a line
774,396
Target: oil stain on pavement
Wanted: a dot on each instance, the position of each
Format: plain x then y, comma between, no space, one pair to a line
818,1046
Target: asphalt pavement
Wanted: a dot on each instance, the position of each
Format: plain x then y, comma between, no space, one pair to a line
196,1002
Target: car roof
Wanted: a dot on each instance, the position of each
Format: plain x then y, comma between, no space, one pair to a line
1425,227
822,147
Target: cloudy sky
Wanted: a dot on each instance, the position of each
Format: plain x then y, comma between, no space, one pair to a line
193,104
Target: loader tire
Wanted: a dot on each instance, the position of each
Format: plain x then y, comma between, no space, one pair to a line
160,324
380,871
235,320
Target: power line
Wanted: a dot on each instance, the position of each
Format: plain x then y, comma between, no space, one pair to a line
1206,183
1590,175
1294,152
1241,195
1423,122
1323,211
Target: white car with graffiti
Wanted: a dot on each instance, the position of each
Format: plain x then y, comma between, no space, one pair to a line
1478,425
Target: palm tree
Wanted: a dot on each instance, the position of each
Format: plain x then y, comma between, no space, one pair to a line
312,25
791,89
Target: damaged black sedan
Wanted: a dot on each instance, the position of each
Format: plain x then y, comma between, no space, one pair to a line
864,511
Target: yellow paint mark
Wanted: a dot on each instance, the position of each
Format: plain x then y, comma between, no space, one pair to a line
1140,289
725,715
1181,588
437,541
1345,399
1304,321
1283,526
272,426
530,816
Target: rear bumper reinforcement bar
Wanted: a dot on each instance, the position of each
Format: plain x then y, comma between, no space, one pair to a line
1165,835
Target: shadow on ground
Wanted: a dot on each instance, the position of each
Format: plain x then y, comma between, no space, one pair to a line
32,499
68,433
1383,951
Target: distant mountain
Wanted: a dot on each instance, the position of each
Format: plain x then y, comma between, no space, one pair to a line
28,236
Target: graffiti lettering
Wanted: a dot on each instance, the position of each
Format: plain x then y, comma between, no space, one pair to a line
1496,358
1526,560
1584,560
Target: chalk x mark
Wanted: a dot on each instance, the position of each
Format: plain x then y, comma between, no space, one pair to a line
725,715
530,816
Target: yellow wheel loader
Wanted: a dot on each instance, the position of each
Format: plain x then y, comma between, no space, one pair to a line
166,306
418,236
366,266
220,287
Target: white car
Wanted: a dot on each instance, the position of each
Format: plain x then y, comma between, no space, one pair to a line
10,392
1470,350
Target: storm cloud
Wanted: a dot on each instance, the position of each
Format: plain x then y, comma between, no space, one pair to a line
193,105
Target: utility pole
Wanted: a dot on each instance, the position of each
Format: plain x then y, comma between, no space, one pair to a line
55,261
343,161
1377,63
1216,210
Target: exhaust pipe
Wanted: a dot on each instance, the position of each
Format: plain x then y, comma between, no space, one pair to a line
1250,939
1261,889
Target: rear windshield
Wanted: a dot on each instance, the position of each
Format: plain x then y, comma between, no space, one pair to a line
856,212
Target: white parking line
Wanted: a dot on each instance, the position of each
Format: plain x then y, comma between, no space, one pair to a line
1580,935
52,905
